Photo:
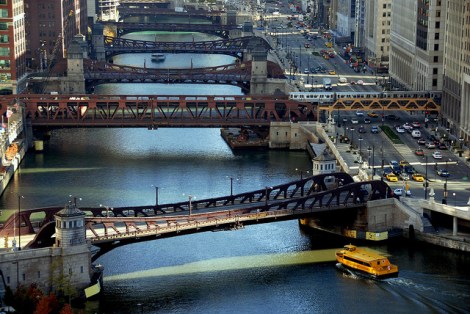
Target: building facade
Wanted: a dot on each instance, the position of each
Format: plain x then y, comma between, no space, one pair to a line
377,23
346,18
416,55
12,47
456,81
49,21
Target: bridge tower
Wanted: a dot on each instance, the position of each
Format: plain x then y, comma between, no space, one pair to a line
259,71
75,83
70,226
97,41
324,163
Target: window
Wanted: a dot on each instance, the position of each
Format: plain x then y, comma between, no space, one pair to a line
436,47
434,82
436,59
3,26
434,71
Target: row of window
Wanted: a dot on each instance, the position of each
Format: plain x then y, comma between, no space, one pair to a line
70,224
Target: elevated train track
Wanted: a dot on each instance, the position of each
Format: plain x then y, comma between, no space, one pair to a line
385,101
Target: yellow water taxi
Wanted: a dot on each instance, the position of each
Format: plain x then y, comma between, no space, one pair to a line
366,263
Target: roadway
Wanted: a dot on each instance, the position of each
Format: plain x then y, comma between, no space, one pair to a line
289,47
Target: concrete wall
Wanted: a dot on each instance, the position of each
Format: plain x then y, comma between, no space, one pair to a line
391,213
42,266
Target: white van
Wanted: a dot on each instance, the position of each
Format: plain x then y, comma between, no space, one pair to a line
416,134
343,80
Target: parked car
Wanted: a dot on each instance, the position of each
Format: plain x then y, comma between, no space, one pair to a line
443,173
417,177
374,129
367,121
359,113
354,121
401,192
419,152
437,155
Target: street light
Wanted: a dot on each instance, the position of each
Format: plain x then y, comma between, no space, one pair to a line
360,148
426,178
266,190
352,135
368,156
156,194
190,197
301,172
444,201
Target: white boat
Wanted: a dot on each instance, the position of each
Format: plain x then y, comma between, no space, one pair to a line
158,57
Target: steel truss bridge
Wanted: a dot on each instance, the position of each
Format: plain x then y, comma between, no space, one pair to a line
217,29
108,228
234,74
153,111
233,47
380,104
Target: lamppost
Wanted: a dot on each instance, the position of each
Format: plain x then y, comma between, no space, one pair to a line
267,191
19,221
231,184
426,178
301,172
156,194
190,197
368,156
382,165
360,149
444,200
352,135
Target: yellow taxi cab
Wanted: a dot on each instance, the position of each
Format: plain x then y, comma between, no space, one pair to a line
332,72
392,177
372,114
404,163
418,177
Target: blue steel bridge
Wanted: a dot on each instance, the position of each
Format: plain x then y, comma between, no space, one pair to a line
108,228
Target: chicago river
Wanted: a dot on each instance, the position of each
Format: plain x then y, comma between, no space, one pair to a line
274,267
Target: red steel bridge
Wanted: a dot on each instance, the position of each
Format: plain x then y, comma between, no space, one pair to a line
153,111
234,47
108,228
